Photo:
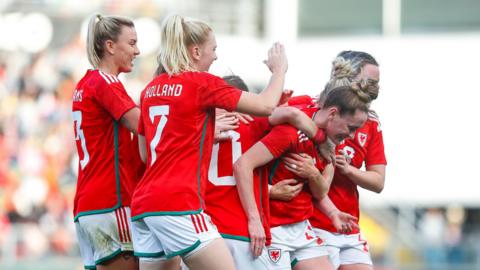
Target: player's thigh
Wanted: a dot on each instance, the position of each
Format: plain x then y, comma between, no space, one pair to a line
182,235
355,251
213,256
357,266
322,262
243,257
160,264
307,245
333,243
123,261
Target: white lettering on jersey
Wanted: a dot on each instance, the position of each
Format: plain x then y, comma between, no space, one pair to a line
167,90
78,95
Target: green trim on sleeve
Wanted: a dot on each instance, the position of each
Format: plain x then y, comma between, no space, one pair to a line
90,267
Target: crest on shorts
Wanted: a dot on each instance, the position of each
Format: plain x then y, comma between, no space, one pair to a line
275,254
362,138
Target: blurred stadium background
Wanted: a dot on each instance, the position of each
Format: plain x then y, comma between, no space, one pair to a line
428,215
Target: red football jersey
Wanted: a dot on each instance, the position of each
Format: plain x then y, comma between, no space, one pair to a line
177,120
222,200
301,101
281,140
105,176
367,146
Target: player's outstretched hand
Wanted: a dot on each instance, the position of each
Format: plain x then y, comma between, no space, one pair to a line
277,58
343,222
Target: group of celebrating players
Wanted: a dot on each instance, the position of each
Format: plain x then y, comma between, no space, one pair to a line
204,174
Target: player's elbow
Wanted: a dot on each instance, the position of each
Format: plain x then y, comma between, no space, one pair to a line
291,113
378,188
267,109
238,166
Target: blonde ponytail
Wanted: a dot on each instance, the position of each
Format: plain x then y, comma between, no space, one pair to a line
100,29
91,52
177,35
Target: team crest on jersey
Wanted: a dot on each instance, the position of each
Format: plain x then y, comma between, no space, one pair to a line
362,138
348,152
275,254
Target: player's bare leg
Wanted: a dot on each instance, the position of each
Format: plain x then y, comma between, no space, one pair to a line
214,256
357,266
172,264
123,261
314,264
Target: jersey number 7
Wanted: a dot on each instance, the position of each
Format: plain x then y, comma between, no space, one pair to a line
163,111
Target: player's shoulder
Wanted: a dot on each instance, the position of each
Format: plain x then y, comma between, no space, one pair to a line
96,79
199,77
301,101
286,131
310,111
373,120
107,78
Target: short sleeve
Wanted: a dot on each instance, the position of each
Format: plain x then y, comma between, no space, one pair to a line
114,98
300,100
280,139
259,127
375,149
217,93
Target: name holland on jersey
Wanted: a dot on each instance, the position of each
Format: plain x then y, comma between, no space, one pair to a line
167,90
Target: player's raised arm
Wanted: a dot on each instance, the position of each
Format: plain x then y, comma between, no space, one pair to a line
263,104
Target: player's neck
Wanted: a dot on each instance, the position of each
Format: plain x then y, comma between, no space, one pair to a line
109,68
320,119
